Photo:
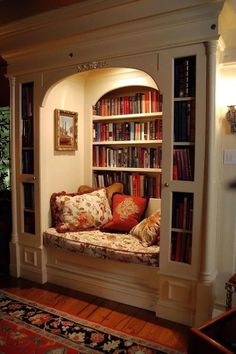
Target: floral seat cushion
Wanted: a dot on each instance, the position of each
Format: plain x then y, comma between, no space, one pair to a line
114,246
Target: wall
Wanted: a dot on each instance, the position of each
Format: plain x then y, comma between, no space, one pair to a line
226,220
61,170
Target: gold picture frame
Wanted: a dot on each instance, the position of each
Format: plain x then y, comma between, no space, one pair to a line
66,126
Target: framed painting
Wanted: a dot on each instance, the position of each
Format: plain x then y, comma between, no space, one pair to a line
66,126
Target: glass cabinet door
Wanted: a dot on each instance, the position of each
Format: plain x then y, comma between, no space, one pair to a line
27,157
183,157
184,115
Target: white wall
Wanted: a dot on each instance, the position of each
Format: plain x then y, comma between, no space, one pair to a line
61,170
226,220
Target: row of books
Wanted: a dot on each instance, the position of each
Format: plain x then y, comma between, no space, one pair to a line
28,161
131,156
27,132
141,102
181,247
184,121
27,100
128,131
182,211
134,184
183,163
185,76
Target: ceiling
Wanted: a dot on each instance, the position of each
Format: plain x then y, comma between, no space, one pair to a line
12,10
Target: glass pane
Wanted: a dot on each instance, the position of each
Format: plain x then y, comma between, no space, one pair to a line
182,220
29,213
27,132
28,196
183,163
184,121
184,118
185,77
29,222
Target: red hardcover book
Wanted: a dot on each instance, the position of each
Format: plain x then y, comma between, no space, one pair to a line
103,107
146,97
126,105
154,101
137,131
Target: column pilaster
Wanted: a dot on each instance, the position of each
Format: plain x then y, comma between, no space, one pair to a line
14,246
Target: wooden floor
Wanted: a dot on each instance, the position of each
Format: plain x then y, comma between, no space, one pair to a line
111,314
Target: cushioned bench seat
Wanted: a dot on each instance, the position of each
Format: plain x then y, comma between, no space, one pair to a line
118,247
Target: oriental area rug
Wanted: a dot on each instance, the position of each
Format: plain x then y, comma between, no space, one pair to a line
29,327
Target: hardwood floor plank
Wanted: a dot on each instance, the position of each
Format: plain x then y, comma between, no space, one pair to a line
116,319
162,335
90,308
133,326
104,310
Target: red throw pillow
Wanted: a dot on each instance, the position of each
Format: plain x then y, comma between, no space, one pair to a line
127,211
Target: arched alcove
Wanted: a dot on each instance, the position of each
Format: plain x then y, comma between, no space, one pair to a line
66,170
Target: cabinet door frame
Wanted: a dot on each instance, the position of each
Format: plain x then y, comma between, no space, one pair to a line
30,239
169,185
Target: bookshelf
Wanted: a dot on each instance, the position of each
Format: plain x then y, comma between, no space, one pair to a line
27,158
127,140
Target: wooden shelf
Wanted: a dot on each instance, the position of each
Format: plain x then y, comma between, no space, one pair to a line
129,116
127,169
128,142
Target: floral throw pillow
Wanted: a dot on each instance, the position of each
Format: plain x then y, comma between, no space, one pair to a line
127,211
148,230
56,210
80,212
116,187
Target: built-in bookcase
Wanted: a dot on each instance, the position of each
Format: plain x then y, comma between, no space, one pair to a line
127,140
27,157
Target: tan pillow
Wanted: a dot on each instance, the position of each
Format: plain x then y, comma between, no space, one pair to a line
85,189
148,230
116,187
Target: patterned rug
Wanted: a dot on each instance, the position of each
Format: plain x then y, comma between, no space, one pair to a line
28,327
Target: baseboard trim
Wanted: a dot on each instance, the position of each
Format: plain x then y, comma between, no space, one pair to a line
134,285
